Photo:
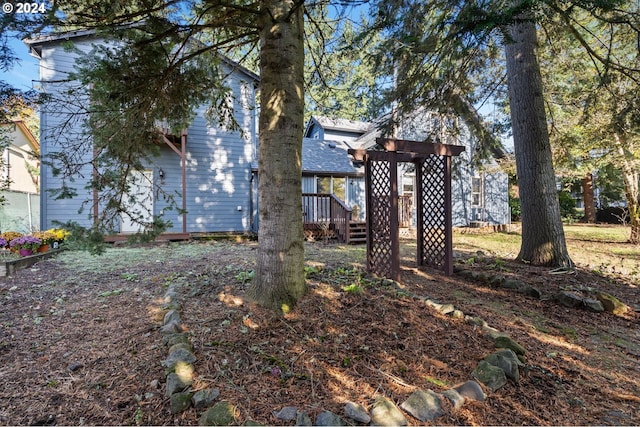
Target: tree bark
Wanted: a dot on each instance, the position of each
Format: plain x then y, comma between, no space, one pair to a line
543,241
631,190
589,200
279,281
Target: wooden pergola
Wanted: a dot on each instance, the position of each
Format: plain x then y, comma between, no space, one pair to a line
433,205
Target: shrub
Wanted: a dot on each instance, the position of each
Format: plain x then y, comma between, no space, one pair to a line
567,205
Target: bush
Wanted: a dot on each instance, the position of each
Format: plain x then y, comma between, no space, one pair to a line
567,205
514,205
613,215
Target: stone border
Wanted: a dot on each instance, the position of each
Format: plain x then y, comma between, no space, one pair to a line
588,299
9,267
494,371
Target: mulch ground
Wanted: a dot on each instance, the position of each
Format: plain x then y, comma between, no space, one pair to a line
81,345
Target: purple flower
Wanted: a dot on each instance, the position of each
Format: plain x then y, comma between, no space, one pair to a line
3,243
25,242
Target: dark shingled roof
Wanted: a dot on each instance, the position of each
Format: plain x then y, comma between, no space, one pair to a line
327,157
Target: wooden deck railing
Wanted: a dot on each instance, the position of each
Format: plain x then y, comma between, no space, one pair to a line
326,210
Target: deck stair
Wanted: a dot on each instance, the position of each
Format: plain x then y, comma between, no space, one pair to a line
357,232
326,217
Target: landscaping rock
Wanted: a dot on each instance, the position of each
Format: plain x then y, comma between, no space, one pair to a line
471,390
179,355
385,413
327,418
508,342
171,316
496,280
220,414
303,419
423,405
183,345
611,304
357,413
171,328
287,413
476,321
456,399
176,338
530,291
593,305
569,299
180,402
204,398
489,375
506,360
457,314
176,384
446,308
513,284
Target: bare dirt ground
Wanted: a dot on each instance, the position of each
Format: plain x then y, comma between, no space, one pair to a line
79,340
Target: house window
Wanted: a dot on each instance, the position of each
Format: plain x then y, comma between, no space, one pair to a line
335,185
476,192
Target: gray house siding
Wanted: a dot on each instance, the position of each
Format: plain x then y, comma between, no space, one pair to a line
57,128
493,203
218,162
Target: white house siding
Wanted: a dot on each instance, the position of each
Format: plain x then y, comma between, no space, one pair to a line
218,162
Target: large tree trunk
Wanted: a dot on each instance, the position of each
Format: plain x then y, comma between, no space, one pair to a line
589,199
631,191
543,241
279,280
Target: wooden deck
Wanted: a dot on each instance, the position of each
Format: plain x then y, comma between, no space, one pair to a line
325,217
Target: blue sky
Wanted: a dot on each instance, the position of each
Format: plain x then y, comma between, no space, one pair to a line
25,72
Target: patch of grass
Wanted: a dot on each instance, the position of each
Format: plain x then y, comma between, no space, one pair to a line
111,293
435,381
353,288
600,233
245,276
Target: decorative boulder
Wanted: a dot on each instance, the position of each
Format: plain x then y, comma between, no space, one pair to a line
385,413
489,375
424,405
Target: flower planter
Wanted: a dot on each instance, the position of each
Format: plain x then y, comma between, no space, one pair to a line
43,248
25,252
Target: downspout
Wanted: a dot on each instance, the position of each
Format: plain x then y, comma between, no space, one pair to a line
183,164
29,210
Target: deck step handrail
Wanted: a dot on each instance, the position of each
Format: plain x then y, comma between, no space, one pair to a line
329,211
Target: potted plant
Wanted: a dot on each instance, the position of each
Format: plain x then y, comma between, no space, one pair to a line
46,237
3,243
25,245
8,236
60,236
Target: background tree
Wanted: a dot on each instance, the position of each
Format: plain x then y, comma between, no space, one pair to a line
593,76
340,80
543,241
450,56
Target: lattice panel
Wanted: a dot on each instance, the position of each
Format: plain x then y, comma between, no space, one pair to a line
433,233
379,254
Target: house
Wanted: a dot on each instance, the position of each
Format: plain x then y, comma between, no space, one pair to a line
209,169
479,192
20,210
212,170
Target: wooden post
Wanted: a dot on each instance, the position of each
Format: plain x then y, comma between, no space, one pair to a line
419,189
448,223
183,165
394,225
